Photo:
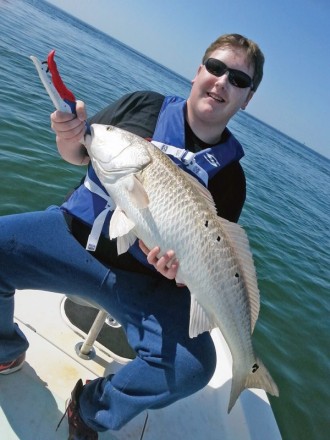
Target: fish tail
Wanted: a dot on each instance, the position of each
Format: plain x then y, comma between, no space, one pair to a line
258,377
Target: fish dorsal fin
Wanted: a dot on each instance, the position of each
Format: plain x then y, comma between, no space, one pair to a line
240,244
137,193
202,191
120,228
199,321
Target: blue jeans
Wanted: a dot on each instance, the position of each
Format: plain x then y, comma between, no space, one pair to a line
38,251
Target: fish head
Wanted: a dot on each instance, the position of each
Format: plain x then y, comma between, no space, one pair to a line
115,152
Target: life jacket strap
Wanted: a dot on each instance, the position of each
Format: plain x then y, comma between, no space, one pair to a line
186,157
100,219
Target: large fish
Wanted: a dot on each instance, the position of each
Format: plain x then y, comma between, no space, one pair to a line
164,206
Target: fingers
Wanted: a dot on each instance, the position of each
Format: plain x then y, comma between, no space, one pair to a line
81,111
167,264
70,130
143,247
68,126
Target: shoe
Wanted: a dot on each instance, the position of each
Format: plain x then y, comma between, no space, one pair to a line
11,367
78,430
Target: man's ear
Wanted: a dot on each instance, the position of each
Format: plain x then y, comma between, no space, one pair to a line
197,73
248,99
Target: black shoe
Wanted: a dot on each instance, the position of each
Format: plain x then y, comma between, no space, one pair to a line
78,430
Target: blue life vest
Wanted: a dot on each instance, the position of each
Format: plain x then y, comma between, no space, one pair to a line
170,131
90,202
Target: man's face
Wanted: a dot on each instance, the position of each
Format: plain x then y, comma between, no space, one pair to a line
214,100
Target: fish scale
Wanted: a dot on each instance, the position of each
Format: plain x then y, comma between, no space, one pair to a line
163,206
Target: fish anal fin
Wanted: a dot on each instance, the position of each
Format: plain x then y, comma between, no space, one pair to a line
199,321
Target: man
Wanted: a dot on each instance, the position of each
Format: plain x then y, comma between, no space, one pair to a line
137,290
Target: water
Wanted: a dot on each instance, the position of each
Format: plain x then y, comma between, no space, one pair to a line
286,214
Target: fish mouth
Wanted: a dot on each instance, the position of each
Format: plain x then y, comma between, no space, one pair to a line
215,97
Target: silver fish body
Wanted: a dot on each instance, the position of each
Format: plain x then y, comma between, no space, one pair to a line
163,206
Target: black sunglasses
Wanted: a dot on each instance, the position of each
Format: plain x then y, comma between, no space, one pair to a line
236,77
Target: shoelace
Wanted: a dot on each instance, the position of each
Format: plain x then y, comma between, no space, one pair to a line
67,404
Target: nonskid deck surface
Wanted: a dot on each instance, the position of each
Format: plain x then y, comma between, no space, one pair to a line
32,401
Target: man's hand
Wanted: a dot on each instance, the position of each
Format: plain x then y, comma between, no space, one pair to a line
70,130
167,264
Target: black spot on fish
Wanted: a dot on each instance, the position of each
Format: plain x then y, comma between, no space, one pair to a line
255,367
206,223
218,238
236,275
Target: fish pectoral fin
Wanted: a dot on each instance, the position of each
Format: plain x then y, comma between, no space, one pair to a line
199,321
137,193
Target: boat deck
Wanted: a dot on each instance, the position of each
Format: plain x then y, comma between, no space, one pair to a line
32,401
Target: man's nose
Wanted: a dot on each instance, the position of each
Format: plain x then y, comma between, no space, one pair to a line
222,80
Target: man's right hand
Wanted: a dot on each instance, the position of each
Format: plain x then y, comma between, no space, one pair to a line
70,130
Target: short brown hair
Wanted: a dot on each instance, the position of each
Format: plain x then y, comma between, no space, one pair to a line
253,53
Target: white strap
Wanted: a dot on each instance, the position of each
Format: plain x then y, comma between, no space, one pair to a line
186,157
94,236
95,189
180,153
97,227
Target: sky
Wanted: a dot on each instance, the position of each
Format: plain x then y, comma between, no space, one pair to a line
294,35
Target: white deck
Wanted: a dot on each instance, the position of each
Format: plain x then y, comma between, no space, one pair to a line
32,401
